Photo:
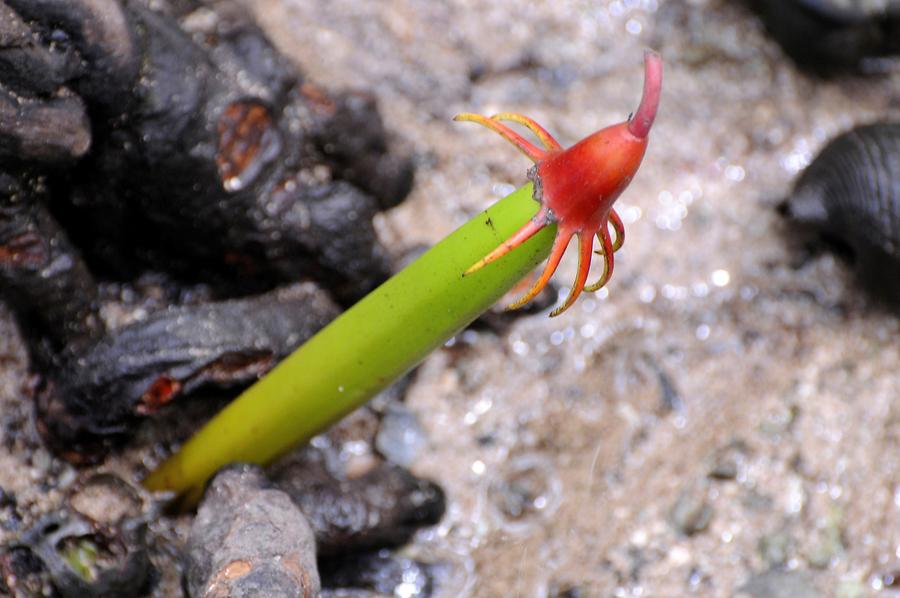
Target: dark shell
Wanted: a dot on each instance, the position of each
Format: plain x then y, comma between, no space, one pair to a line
851,193
826,36
85,559
95,546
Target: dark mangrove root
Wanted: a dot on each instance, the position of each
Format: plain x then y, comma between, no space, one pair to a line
93,394
382,508
221,164
352,137
172,138
98,32
51,130
42,276
207,153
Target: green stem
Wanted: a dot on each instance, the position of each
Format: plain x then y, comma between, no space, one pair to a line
364,350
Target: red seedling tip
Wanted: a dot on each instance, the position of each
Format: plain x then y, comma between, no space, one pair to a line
577,186
646,113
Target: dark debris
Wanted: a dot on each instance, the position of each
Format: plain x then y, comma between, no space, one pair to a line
139,137
93,394
382,507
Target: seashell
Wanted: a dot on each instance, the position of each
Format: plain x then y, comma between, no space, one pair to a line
851,194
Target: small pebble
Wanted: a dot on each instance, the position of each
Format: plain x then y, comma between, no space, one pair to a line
726,461
566,591
775,548
824,551
828,544
850,589
527,488
780,421
248,540
778,584
401,437
106,499
691,512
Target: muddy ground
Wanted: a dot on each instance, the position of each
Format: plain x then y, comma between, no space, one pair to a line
725,407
